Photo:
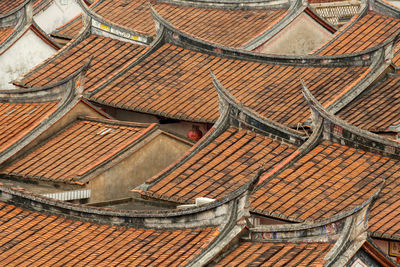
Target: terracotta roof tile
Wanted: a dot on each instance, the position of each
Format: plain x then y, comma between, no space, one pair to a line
277,254
328,180
232,28
385,213
220,168
109,55
70,29
367,32
28,237
175,82
5,33
134,15
377,109
76,150
16,120
9,5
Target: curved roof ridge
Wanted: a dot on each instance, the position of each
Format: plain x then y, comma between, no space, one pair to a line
247,4
189,216
70,45
49,89
254,119
21,6
359,137
377,6
179,38
115,29
294,11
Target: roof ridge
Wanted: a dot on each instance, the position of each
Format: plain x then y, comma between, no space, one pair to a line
176,37
340,131
228,4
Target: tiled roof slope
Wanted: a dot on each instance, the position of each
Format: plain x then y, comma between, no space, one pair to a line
368,31
76,150
9,5
396,55
5,33
108,54
134,15
70,29
228,162
17,119
277,254
28,237
385,213
376,109
328,180
227,27
175,82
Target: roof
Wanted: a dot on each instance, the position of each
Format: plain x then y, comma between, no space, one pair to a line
134,15
70,29
377,108
277,254
329,180
270,89
18,119
385,212
396,55
77,149
336,12
5,33
7,6
108,55
221,167
53,240
365,32
227,27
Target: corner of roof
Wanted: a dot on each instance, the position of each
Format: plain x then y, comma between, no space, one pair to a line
84,33
337,130
383,7
104,27
241,116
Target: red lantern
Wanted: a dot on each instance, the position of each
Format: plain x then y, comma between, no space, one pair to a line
195,134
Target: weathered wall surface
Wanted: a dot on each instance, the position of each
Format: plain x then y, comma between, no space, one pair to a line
299,38
58,13
27,52
146,161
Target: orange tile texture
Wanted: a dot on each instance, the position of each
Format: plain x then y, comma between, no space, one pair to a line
328,180
225,27
109,55
16,120
277,254
176,82
9,5
134,15
70,29
376,109
4,33
227,163
76,150
32,238
369,31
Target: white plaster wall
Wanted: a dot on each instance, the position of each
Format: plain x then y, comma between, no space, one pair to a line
56,14
22,56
